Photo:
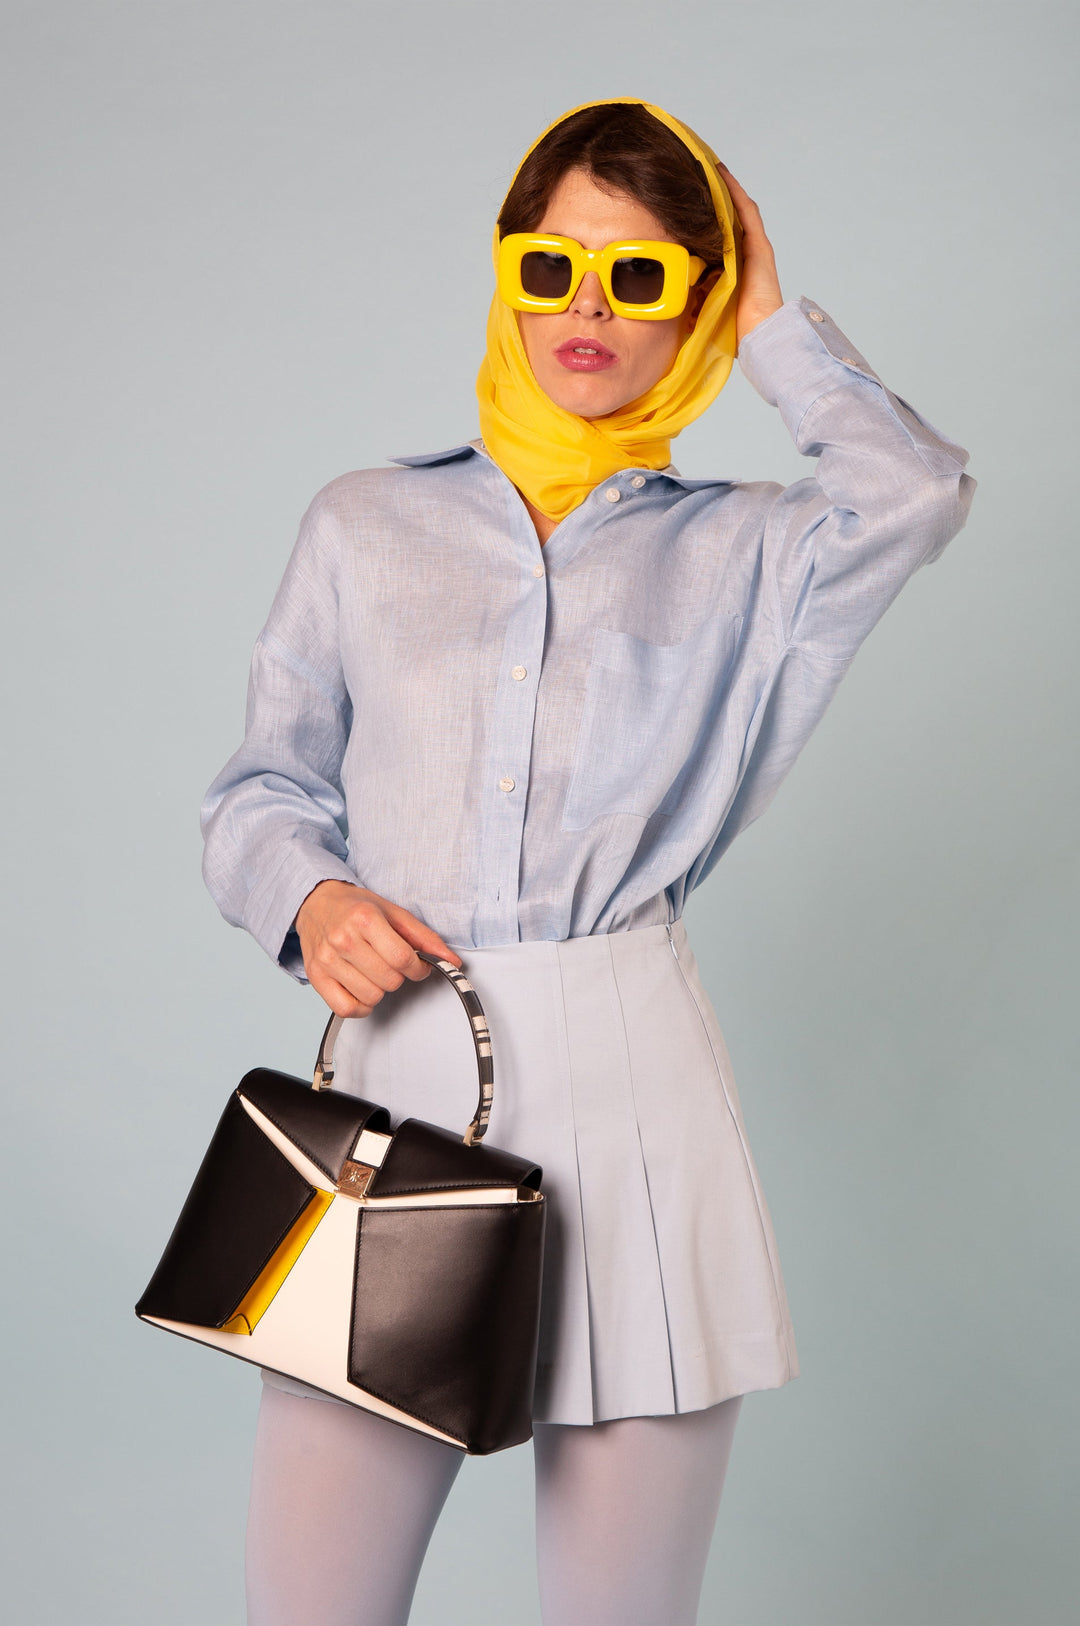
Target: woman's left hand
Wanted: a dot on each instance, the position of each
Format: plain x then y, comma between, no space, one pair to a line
759,291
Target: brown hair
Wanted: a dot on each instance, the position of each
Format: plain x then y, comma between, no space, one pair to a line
625,149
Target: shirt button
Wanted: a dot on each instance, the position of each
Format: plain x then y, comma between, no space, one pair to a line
519,673
850,361
506,783
612,493
538,570
815,316
638,481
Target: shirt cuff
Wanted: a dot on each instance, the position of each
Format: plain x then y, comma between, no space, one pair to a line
798,354
274,902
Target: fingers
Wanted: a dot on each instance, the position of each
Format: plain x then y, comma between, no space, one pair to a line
761,293
738,192
420,936
359,979
358,946
360,942
747,210
362,965
379,929
338,997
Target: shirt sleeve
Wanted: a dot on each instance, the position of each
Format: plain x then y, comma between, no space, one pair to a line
274,821
888,493
889,490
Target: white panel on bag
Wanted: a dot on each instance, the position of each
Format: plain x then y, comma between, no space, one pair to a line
371,1148
305,1332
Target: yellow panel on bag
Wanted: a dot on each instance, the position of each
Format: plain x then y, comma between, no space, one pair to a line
260,1295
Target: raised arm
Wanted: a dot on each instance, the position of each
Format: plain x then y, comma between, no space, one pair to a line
889,489
887,494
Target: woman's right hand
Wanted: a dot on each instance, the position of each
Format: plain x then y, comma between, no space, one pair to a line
358,946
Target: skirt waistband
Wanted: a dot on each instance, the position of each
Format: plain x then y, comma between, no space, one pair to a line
617,947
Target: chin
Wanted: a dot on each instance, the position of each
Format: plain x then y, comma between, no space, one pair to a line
583,397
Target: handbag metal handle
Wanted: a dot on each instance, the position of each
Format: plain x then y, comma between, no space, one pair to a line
324,1065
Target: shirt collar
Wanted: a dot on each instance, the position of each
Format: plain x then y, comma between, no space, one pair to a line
476,448
423,460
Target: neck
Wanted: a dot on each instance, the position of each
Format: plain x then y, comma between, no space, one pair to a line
543,522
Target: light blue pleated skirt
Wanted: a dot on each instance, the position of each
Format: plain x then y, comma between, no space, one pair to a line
662,1284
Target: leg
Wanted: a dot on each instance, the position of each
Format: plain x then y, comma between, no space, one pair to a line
625,1512
343,1504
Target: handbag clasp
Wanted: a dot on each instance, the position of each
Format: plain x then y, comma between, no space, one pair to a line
355,1178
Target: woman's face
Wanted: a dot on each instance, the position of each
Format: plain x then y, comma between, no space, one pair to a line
587,359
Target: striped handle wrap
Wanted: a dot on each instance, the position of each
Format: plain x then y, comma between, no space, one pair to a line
324,1066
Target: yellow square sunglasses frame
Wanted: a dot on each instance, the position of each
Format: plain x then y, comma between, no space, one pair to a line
681,270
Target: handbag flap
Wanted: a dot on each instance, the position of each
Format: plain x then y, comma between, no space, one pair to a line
324,1124
423,1157
244,1201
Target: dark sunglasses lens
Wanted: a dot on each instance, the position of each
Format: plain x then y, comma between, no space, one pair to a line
637,281
545,276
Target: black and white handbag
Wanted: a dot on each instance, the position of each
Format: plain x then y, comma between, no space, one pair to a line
397,1269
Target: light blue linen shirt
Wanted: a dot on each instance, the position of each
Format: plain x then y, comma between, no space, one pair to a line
517,742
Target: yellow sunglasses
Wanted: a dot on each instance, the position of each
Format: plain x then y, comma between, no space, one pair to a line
642,279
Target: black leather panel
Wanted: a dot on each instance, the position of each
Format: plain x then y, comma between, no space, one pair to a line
446,1316
245,1199
423,1157
323,1123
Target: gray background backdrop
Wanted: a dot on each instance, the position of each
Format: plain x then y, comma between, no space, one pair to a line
217,300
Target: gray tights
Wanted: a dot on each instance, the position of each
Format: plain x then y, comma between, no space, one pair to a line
343,1505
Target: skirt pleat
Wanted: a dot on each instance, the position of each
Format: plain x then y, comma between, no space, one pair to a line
662,1287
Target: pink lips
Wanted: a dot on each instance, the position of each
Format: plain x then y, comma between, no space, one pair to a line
585,356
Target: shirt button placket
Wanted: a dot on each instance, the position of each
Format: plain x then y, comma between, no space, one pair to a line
510,755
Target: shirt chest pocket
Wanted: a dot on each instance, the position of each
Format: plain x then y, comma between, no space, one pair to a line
649,714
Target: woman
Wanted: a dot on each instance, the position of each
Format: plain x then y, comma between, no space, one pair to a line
512,703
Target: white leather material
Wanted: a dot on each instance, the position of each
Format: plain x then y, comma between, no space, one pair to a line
371,1148
464,1198
305,1331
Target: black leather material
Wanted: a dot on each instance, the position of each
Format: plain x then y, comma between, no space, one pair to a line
423,1157
245,1199
446,1316
323,1123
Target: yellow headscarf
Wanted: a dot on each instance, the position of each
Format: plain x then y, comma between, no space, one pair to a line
555,457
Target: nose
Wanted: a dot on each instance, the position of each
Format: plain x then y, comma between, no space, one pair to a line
590,299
